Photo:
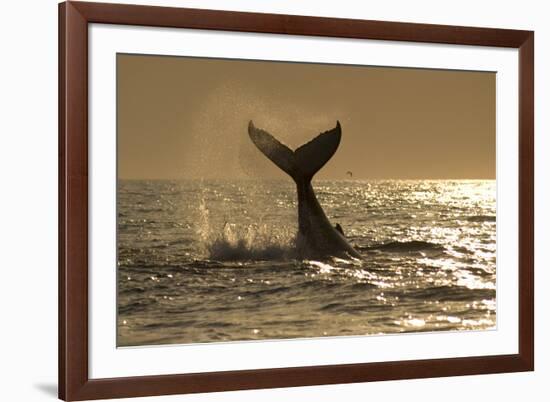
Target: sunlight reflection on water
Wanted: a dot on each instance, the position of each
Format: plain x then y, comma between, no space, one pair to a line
214,261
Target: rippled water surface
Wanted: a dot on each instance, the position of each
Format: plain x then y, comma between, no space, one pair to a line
211,261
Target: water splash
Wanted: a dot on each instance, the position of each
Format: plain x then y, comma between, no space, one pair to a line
251,243
242,242
203,221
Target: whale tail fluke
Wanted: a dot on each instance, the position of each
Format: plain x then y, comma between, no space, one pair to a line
306,160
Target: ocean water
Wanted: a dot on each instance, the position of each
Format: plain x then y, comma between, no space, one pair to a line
213,261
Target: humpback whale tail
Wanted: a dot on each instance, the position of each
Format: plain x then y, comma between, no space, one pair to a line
316,235
302,163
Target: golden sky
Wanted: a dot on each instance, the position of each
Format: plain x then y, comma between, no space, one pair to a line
181,117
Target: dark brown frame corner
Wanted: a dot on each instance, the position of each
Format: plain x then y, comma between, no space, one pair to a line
74,17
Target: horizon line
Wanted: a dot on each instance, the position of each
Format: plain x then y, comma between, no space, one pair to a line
284,179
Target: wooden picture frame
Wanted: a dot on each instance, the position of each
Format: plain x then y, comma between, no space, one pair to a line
74,381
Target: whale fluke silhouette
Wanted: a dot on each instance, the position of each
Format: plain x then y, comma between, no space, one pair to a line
316,235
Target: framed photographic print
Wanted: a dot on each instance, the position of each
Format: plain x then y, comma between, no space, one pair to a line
258,200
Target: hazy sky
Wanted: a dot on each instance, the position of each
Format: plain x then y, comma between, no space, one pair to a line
182,117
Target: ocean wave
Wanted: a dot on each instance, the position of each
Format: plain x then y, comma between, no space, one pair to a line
206,264
481,218
446,293
406,246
